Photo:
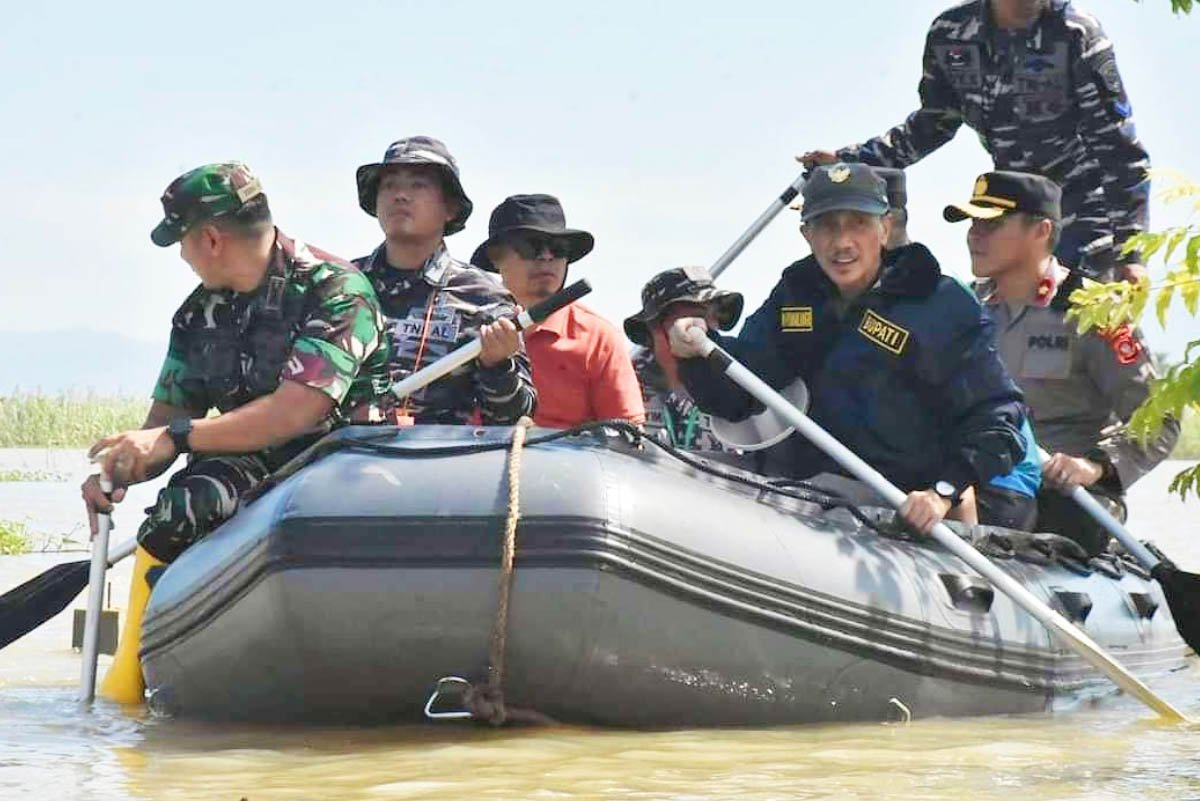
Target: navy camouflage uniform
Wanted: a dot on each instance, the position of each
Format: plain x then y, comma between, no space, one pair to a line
672,417
313,320
458,300
1047,100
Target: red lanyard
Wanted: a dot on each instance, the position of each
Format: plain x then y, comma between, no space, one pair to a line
402,415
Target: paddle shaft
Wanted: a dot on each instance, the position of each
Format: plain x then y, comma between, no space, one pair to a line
91,624
1067,633
1113,526
460,356
764,219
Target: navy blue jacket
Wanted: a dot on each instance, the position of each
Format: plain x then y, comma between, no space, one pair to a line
908,376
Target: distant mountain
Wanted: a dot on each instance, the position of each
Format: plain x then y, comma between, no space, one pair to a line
78,360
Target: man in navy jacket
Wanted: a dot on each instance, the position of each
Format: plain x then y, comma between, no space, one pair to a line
899,359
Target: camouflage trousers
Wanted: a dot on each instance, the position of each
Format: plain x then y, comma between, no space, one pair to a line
197,499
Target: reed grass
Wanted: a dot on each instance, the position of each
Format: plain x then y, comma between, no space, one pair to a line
66,420
40,476
13,538
72,420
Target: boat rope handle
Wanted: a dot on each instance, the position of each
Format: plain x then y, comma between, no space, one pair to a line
485,702
507,556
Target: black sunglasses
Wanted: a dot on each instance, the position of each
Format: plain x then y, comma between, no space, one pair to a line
531,246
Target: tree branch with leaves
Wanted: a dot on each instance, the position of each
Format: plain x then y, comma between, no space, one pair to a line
1108,307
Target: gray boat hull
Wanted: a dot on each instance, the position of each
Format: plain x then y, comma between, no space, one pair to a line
646,594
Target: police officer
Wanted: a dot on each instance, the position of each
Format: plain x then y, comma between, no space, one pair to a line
279,337
433,302
671,414
1081,388
898,358
1038,81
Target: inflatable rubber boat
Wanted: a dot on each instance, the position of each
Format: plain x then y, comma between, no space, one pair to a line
649,589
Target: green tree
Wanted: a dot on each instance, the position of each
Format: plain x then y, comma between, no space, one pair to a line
1110,306
1180,6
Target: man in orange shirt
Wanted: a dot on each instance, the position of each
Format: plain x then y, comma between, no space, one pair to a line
581,367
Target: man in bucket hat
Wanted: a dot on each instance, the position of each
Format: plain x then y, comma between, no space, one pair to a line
280,338
671,414
433,302
581,368
898,358
1081,388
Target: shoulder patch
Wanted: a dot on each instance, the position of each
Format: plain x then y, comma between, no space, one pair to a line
883,333
1106,68
796,318
1124,343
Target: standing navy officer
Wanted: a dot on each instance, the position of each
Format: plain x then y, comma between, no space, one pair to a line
1038,81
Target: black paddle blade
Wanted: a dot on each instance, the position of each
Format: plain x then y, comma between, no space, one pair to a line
1183,596
25,608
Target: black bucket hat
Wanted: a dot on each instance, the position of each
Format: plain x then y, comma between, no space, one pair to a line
416,151
681,285
541,214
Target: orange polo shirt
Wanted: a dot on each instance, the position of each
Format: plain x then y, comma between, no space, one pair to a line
581,370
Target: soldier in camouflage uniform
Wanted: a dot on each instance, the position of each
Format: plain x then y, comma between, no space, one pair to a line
280,338
1038,81
671,414
1081,388
433,302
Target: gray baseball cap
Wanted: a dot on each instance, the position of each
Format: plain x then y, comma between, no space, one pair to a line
844,187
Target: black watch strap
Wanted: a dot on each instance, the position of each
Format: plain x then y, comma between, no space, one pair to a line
179,428
945,489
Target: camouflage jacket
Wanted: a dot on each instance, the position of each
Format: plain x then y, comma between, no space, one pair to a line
1048,100
672,417
458,300
314,319
1080,388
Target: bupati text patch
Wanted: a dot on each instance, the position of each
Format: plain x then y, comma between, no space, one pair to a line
886,335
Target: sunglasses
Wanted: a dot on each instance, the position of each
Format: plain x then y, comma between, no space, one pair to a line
532,246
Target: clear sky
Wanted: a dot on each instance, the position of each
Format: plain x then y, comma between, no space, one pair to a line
664,127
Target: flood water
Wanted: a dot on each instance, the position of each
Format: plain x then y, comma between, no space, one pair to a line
51,749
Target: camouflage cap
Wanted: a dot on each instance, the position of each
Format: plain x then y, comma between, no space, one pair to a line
682,285
202,194
416,151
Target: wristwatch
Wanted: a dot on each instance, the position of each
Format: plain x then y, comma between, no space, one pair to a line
945,489
1108,471
179,428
